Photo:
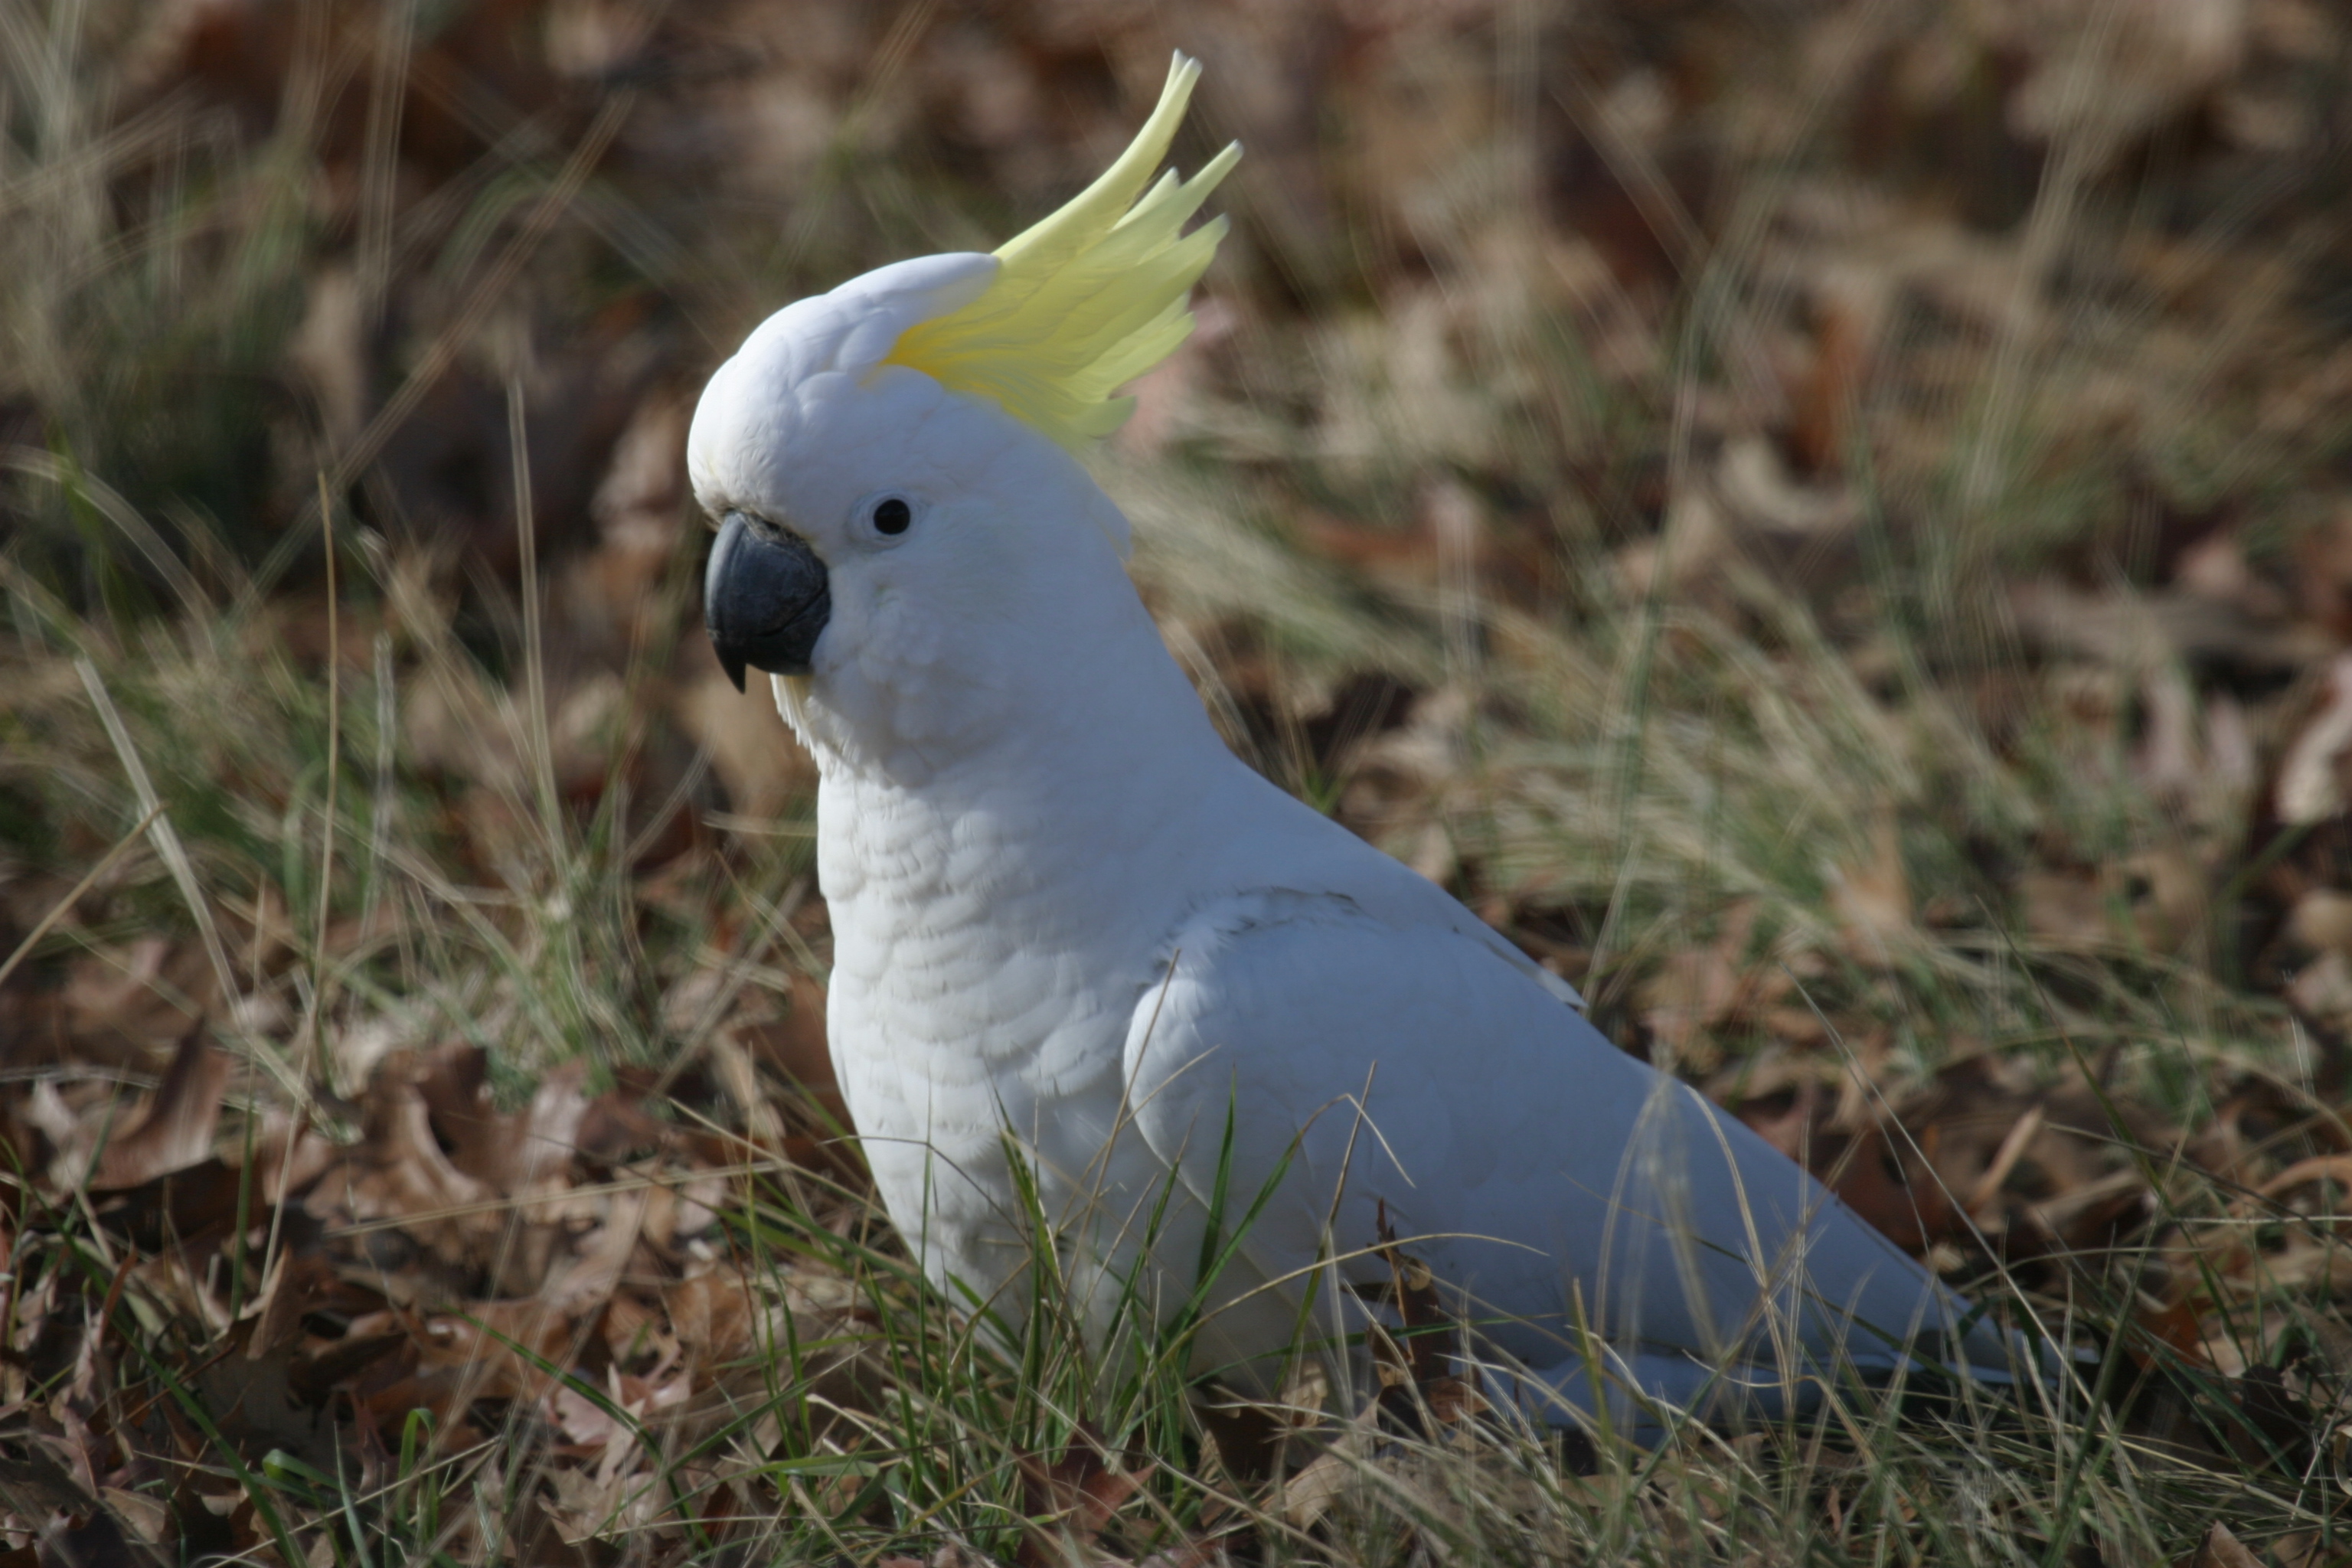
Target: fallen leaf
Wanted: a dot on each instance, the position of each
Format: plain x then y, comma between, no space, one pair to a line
1074,1493
142,1517
1872,899
177,1129
2310,786
1699,989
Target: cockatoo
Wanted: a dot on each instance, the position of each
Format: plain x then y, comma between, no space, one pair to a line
1073,931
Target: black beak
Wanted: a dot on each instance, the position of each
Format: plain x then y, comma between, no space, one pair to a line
765,599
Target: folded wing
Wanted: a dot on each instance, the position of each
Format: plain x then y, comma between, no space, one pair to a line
1549,1181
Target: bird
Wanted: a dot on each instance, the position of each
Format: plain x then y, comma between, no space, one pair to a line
1092,972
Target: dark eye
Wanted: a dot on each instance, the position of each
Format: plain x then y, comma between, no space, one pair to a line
892,515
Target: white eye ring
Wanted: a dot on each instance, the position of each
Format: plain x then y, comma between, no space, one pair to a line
888,516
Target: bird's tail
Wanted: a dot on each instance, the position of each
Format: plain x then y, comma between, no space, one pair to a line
1643,1393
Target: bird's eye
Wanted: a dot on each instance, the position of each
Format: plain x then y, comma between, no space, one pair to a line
892,515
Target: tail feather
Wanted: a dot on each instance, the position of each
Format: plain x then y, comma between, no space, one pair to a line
1642,1396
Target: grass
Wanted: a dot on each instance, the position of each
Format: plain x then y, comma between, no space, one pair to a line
1773,755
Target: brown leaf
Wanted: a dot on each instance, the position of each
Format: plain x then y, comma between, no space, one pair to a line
177,1130
2163,893
1758,490
398,1171
1188,1554
1700,988
1076,1493
143,1518
1308,1495
714,1316
34,1485
293,1287
551,1535
2176,1327
2152,60
287,1155
753,755
98,1540
2004,1160
1417,1365
1883,1182
498,1350
2322,921
510,1154
1849,308
599,1258
258,1403
1790,1118
194,1207
2063,910
2336,1168
2037,1166
2311,779
798,1047
615,1126
2154,902
2303,1549
114,1003
2219,1549
1872,899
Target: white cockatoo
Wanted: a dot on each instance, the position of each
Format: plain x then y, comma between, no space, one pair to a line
1072,930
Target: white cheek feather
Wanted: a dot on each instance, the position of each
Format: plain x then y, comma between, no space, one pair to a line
903,647
792,701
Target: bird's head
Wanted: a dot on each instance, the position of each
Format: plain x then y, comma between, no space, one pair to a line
891,464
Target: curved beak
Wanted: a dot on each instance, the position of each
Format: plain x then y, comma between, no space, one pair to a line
765,599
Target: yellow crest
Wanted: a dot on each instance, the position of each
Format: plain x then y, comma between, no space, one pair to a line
1089,299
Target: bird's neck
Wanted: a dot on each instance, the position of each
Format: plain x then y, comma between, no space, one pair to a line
1032,803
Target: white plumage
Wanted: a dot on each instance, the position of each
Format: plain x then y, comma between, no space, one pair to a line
1062,907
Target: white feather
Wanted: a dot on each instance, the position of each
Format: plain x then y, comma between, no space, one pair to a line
1062,907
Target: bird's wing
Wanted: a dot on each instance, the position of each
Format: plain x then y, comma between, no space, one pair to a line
1331,1069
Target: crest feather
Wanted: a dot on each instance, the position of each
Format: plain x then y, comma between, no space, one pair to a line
1090,299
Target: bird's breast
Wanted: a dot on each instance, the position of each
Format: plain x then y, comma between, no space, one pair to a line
984,975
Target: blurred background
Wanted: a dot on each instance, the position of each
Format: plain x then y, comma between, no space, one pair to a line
1830,524
1838,499
1827,521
